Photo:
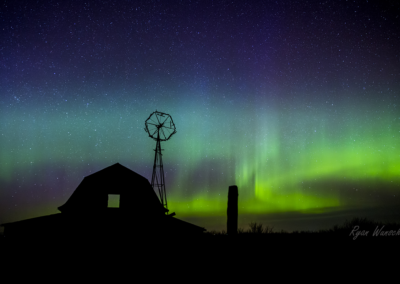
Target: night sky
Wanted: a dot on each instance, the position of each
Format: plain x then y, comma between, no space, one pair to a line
295,102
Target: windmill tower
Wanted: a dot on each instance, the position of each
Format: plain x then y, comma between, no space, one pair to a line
160,127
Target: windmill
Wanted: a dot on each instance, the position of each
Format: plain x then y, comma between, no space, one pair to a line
160,127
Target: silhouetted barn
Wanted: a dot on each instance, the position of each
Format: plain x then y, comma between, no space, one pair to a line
86,212
136,195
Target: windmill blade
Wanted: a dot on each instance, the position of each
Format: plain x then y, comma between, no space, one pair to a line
158,119
168,133
150,126
165,137
150,118
153,120
166,119
167,129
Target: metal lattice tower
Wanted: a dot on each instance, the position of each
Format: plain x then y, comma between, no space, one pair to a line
160,127
157,179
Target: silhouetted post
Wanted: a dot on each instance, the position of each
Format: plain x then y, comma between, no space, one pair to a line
232,210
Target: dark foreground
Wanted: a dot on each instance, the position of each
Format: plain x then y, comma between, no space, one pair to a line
213,249
205,243
190,257
357,230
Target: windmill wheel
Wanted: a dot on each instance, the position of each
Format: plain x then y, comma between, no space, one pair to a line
160,126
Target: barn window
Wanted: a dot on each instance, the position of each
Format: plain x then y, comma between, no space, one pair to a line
113,201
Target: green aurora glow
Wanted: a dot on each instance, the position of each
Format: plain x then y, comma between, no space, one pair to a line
296,104
281,160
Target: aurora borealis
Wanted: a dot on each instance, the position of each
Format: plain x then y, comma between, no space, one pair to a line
295,102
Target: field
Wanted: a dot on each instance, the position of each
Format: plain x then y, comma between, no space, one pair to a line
257,244
356,229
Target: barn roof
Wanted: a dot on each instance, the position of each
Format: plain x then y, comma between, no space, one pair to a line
136,193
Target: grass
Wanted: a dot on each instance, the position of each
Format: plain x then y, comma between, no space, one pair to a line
258,231
254,229
345,229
